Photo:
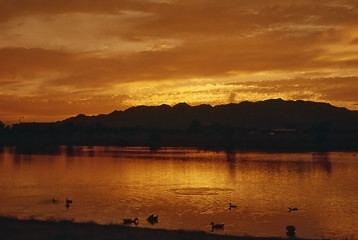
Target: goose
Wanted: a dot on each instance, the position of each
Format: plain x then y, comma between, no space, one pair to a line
152,219
216,226
130,221
232,206
292,209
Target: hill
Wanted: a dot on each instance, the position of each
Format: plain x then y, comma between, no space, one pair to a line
264,114
271,125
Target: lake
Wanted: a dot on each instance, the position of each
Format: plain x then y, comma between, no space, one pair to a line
187,188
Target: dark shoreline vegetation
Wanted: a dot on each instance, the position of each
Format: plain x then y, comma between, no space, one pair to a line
271,125
12,228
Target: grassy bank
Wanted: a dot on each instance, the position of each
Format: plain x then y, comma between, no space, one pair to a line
11,228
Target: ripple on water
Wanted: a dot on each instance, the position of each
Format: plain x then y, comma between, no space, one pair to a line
206,191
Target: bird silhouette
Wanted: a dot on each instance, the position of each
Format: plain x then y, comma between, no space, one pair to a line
68,202
292,209
152,219
290,231
130,221
216,226
232,206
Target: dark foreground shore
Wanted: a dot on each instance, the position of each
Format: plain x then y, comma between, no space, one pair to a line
11,228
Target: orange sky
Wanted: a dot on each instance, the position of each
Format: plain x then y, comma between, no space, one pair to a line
60,58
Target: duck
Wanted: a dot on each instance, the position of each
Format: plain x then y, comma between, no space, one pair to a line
292,209
68,202
152,219
232,206
290,231
130,221
216,226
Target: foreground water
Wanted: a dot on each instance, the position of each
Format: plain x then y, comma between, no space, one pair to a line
187,188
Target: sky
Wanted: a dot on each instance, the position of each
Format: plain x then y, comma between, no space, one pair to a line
61,58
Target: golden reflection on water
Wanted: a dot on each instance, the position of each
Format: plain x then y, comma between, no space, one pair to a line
187,188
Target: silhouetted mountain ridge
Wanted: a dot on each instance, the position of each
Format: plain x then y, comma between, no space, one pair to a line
273,113
271,125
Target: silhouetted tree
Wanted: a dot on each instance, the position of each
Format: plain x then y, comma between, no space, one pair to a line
154,139
194,127
321,130
2,131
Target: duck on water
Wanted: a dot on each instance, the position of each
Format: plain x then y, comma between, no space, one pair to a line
232,206
292,209
68,202
152,219
216,226
130,221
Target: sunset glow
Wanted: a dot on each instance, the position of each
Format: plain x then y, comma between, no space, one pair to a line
62,58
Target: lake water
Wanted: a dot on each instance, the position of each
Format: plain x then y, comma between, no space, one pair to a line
187,188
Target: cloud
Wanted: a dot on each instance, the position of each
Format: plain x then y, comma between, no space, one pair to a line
232,97
186,50
28,62
74,32
56,106
171,39
336,90
14,8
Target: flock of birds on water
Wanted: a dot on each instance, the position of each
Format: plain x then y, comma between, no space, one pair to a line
153,219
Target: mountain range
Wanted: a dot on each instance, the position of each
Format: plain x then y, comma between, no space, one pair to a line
271,125
274,113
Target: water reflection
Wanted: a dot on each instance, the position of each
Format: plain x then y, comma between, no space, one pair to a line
231,160
298,163
21,159
321,160
72,151
36,149
187,188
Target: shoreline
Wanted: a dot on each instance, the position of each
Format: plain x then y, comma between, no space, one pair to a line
70,149
13,228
